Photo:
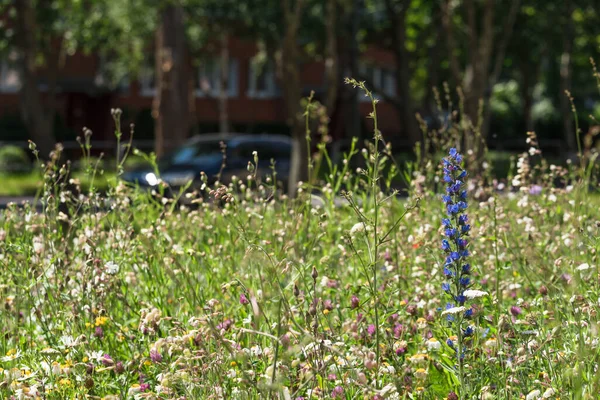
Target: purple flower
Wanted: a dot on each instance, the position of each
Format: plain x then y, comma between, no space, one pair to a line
225,325
535,190
98,332
398,330
337,392
243,299
515,311
371,329
119,367
155,356
107,360
354,302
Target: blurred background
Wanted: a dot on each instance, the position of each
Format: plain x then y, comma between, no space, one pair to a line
178,68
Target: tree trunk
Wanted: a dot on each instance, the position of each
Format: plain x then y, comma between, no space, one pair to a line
38,119
507,31
331,56
565,79
292,93
224,85
352,118
172,92
433,63
527,95
403,74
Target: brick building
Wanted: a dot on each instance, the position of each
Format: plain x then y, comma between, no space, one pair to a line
254,103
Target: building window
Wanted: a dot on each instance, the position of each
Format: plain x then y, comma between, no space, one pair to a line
261,83
148,78
10,81
106,77
209,78
381,80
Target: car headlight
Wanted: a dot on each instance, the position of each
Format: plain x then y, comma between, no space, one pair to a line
178,178
151,179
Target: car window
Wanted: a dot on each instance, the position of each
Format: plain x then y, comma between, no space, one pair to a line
188,153
266,151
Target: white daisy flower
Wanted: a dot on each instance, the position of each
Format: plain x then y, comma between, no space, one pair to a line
454,310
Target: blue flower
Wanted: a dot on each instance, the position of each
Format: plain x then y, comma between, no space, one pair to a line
453,209
451,232
445,245
456,230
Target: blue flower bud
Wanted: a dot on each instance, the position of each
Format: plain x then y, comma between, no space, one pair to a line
445,245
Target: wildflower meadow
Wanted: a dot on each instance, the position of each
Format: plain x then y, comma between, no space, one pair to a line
457,286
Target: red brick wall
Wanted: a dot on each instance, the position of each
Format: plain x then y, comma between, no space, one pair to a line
241,108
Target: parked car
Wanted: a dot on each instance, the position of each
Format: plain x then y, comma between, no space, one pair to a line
203,153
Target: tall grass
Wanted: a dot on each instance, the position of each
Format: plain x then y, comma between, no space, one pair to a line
245,293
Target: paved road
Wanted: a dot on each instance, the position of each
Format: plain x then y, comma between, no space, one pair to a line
19,201
5,201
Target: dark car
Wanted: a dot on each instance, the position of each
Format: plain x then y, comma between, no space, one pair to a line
203,153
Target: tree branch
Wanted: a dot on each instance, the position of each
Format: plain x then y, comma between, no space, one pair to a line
448,26
503,44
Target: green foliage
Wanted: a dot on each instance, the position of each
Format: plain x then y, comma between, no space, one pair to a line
14,159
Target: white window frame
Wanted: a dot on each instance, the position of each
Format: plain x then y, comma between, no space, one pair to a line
147,73
271,90
215,78
379,75
5,70
389,82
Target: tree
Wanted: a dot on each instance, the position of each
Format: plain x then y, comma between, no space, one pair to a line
485,37
38,43
397,11
409,29
171,104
